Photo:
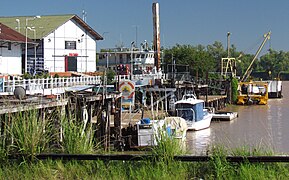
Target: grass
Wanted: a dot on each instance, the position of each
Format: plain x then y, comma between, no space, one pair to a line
77,139
29,134
216,168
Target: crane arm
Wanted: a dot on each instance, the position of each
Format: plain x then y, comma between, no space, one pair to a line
248,71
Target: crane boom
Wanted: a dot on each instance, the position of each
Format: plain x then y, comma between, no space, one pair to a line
249,70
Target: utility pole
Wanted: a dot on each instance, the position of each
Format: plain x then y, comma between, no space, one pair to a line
228,43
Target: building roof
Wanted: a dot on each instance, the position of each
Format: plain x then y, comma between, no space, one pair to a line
9,35
45,25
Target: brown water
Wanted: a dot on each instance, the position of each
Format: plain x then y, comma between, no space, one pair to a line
265,126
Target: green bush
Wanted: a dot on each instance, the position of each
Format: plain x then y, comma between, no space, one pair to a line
234,86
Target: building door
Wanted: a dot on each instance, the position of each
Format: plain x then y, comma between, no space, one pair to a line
71,63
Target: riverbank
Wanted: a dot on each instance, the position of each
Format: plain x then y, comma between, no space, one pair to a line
160,168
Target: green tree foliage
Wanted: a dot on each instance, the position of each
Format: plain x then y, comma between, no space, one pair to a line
243,63
201,59
110,76
198,58
217,51
275,62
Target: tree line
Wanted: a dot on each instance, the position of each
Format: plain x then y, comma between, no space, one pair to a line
202,59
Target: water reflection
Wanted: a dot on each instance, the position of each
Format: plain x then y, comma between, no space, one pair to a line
262,126
198,141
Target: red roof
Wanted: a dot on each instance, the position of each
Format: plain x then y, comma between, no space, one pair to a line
8,34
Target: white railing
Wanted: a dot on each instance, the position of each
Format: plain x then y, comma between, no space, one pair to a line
142,76
142,79
59,85
33,86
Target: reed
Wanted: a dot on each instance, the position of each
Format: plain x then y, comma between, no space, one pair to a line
167,146
77,139
29,134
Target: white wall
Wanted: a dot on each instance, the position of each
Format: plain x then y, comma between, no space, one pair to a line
54,45
10,61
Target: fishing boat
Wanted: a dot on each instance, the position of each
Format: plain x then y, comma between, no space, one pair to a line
193,111
224,116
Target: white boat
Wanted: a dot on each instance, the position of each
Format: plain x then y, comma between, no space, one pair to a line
149,131
192,110
224,116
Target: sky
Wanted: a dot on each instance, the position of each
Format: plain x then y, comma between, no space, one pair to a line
191,22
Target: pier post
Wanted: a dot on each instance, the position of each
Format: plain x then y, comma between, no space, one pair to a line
152,105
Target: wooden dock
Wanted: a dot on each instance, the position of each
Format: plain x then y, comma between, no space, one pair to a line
217,102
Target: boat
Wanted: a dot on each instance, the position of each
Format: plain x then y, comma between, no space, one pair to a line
224,116
252,93
193,111
124,61
274,88
150,131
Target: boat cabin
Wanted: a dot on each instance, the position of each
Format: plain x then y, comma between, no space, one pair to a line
190,108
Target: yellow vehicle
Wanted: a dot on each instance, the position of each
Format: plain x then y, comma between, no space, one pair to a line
252,93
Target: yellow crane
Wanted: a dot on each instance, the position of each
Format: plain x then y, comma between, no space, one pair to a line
249,69
253,92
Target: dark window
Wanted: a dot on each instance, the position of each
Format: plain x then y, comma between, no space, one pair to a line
120,59
9,46
70,44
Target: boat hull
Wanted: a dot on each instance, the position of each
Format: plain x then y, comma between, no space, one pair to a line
199,125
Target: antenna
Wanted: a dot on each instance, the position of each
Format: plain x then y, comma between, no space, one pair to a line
84,15
136,33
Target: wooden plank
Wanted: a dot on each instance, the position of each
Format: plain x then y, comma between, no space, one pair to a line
26,107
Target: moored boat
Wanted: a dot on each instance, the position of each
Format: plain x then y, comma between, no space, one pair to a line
192,110
224,116
252,93
150,131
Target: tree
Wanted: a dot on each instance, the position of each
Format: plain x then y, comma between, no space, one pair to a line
275,62
110,76
217,51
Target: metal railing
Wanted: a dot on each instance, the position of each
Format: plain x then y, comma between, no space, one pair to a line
33,86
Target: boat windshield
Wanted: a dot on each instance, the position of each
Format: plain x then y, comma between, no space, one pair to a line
186,113
189,96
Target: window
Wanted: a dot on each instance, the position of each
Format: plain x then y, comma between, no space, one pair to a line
9,46
120,59
70,44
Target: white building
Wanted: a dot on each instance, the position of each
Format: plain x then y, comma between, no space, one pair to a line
11,43
66,43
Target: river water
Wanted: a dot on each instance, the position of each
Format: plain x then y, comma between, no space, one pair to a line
258,126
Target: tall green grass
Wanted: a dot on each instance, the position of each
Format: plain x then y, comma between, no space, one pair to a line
78,139
29,134
216,168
